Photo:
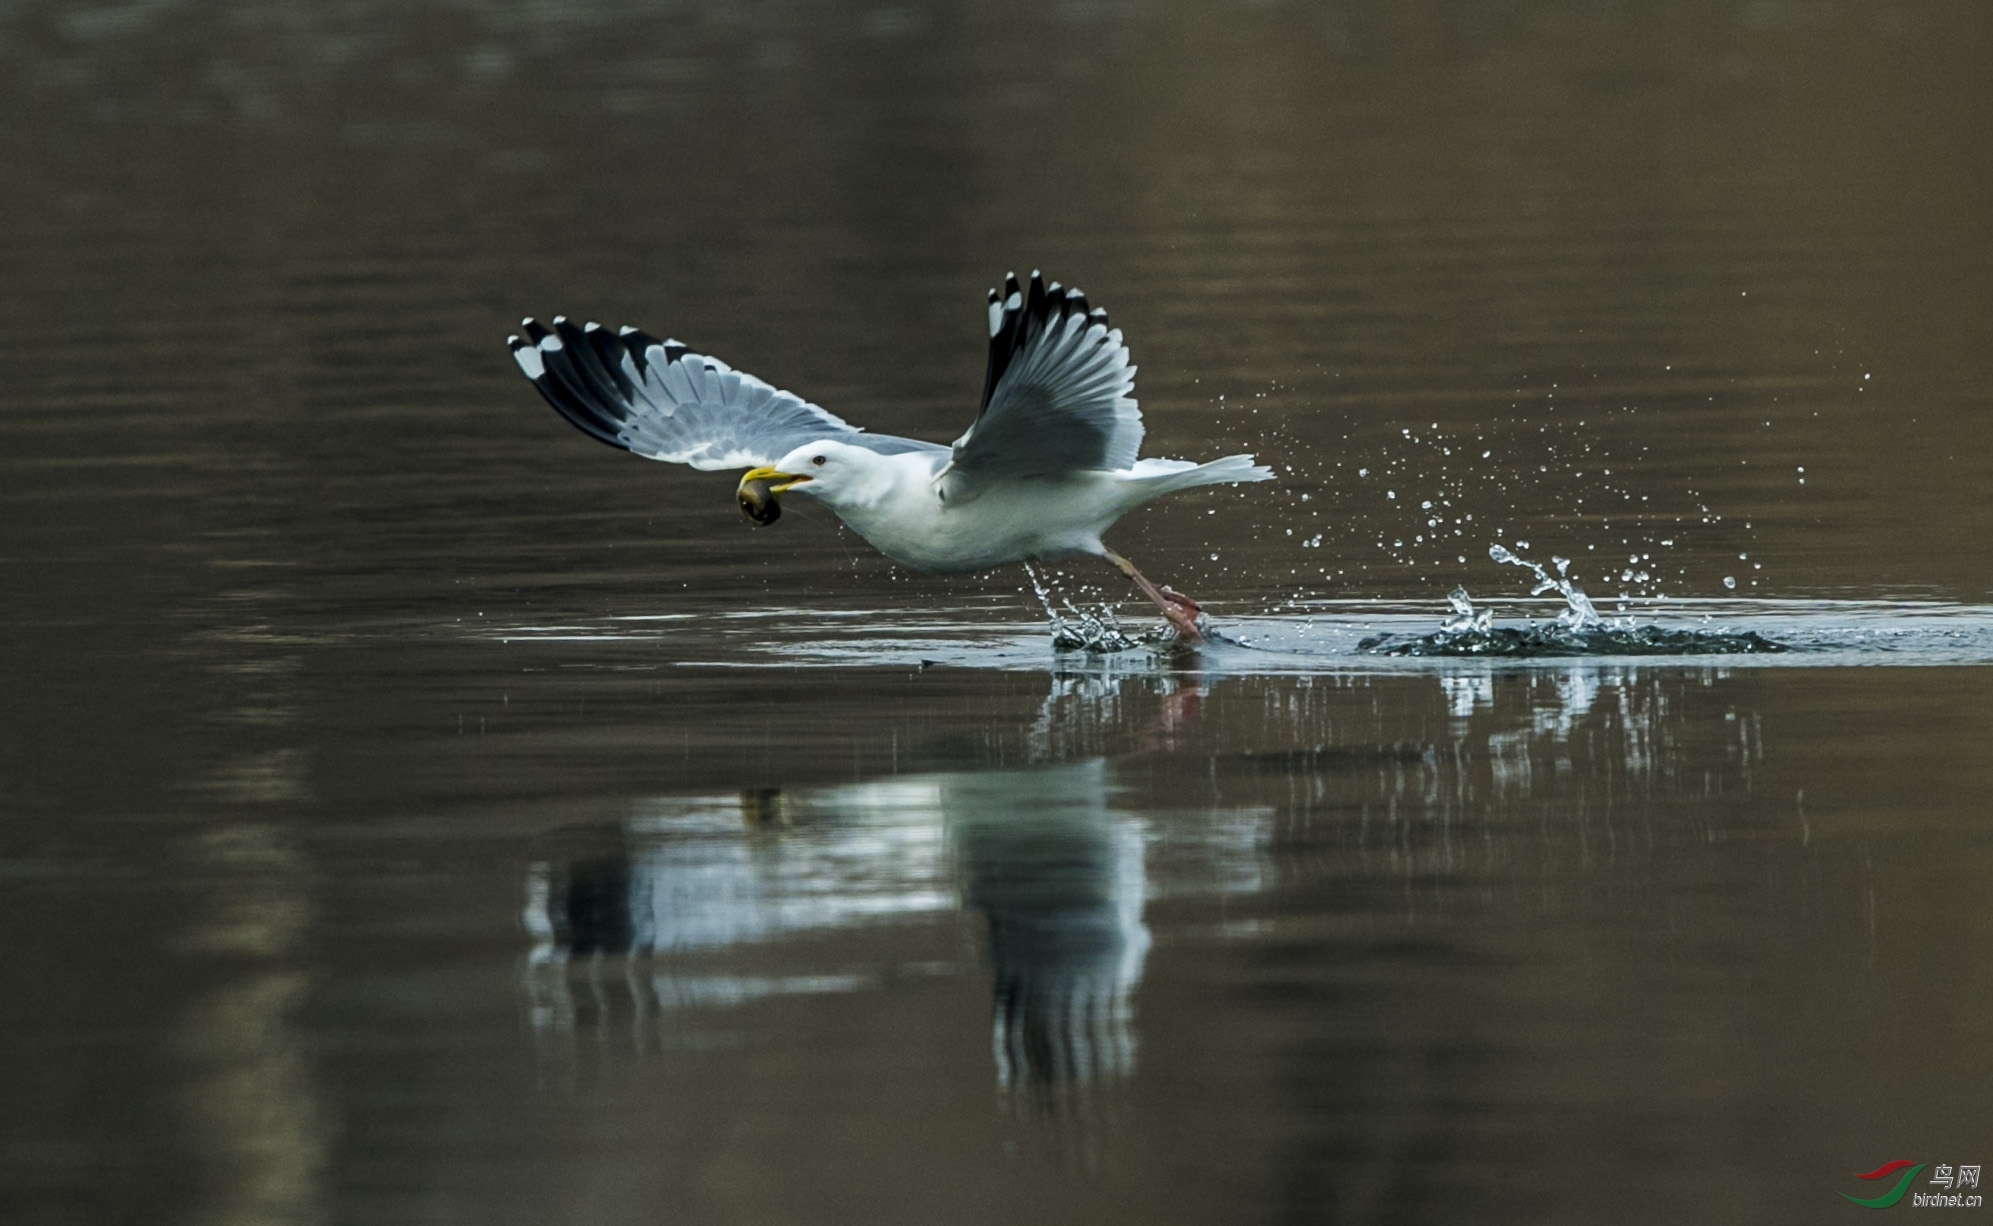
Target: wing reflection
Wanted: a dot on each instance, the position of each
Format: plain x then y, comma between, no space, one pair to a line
705,902
1061,881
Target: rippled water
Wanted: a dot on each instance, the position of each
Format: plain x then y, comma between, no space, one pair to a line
415,812
1327,638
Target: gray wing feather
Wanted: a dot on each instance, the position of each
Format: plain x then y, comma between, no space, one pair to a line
1059,396
662,401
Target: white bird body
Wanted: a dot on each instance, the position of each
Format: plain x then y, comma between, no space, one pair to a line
1047,467
897,504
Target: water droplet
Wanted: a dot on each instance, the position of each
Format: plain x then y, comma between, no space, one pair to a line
1730,581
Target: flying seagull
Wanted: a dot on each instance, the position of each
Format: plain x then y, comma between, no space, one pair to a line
1049,464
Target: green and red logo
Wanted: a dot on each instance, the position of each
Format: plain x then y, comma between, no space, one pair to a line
1910,1170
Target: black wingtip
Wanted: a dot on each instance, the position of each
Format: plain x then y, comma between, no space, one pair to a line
1018,315
637,343
570,373
1034,307
1028,314
602,386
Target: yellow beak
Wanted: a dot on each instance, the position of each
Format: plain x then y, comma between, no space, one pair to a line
777,481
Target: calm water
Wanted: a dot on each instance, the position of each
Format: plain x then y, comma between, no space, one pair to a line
411,811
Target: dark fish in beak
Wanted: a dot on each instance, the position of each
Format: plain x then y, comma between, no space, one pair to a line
758,488
757,502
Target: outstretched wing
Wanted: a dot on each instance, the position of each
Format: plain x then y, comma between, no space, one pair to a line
1060,391
660,400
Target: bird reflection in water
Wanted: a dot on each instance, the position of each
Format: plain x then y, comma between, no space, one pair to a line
624,919
700,903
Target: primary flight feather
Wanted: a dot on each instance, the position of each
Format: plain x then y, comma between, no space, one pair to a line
1048,465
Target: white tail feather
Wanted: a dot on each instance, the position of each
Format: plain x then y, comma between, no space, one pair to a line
1155,477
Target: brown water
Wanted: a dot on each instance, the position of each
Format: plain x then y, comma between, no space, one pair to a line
411,811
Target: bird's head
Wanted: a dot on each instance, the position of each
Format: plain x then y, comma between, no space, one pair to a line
823,469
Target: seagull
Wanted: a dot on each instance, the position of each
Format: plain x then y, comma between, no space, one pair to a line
1048,465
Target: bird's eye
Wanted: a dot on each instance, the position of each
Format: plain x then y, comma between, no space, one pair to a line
817,460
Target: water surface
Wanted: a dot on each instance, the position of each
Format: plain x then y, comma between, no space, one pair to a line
415,812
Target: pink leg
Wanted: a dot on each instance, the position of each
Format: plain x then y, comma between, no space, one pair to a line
1180,610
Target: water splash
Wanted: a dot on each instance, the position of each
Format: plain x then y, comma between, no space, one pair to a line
1097,633
1465,616
1578,612
1577,631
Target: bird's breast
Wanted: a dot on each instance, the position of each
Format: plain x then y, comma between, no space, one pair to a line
1010,522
